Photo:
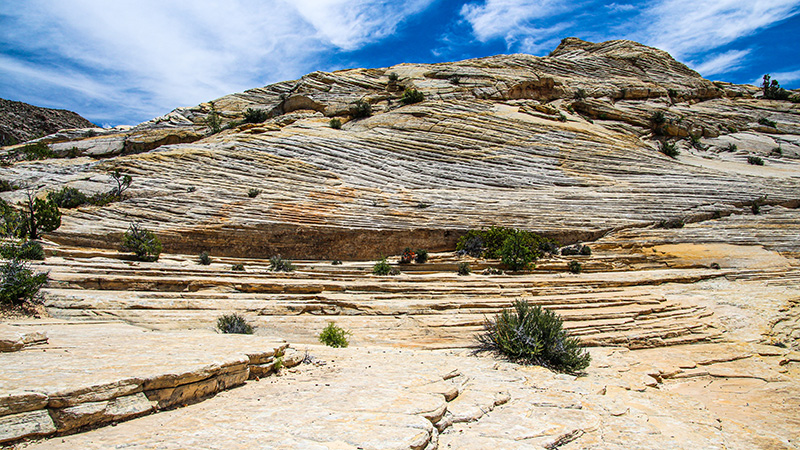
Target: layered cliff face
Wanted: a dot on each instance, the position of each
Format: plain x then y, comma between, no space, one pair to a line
566,145
20,122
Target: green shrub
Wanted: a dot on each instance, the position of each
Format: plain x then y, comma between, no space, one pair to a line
6,186
204,259
767,123
731,147
29,250
337,262
422,256
253,192
517,252
577,249
255,116
574,267
278,264
11,221
233,324
412,96
657,120
144,243
237,267
669,149
335,123
531,335
213,121
35,151
777,151
68,197
580,94
382,267
694,140
773,90
393,77
755,160
38,216
334,336
715,266
360,109
464,269
488,242
455,80
123,181
20,285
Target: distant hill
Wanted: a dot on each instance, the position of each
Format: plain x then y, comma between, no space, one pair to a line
20,122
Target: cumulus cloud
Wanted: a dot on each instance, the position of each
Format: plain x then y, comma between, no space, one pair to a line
173,54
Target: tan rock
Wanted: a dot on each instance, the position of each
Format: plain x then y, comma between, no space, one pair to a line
27,424
98,413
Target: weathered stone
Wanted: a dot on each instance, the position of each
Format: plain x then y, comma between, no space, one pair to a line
192,392
17,402
98,413
27,424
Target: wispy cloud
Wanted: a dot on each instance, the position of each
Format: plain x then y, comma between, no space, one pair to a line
684,27
510,19
182,53
724,62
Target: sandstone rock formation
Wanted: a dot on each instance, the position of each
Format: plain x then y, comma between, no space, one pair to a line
565,145
20,122
689,300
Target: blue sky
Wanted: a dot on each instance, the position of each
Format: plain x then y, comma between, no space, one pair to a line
126,61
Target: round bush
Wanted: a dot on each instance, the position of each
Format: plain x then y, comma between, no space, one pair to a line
334,336
382,267
464,269
142,242
233,324
278,264
204,259
531,335
516,252
422,256
20,285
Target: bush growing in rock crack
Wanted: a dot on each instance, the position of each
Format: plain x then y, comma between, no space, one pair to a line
421,256
254,115
412,96
29,250
577,249
20,286
755,160
488,242
464,269
517,251
278,264
237,267
335,123
233,324
528,334
334,336
382,267
204,259
143,242
361,109
574,267
669,149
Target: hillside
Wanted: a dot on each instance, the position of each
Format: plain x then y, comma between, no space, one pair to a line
564,145
20,122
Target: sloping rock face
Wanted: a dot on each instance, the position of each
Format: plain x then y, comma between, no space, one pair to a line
566,145
20,122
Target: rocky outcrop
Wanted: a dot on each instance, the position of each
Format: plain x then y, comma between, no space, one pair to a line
99,373
565,145
21,122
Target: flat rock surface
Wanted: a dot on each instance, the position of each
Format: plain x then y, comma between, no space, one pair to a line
94,360
380,398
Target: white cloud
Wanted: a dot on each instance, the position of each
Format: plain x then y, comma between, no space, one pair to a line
170,54
349,24
509,18
684,27
723,62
